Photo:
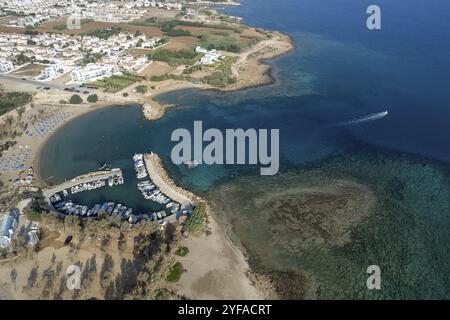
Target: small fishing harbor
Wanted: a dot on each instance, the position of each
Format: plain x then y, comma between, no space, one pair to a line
171,207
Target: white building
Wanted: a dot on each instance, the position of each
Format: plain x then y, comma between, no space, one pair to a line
211,57
33,234
93,72
52,72
201,50
8,227
6,66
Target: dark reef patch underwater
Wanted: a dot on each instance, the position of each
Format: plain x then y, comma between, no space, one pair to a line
315,231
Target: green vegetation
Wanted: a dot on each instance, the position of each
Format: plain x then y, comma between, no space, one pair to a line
30,31
75,99
175,272
90,58
21,59
12,100
125,94
141,89
103,33
177,33
192,69
171,24
163,294
225,65
150,22
219,79
33,215
93,98
226,43
182,251
117,83
60,27
197,220
174,58
167,76
36,208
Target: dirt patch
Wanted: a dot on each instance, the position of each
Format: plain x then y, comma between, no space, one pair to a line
29,71
49,239
179,43
6,29
157,68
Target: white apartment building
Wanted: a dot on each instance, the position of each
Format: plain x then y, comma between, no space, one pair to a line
52,72
93,72
6,66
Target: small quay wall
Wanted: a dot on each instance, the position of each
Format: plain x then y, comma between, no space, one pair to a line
159,176
86,178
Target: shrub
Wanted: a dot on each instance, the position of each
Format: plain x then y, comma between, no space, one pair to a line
178,33
76,99
33,215
175,272
13,100
93,98
197,220
125,94
182,251
141,89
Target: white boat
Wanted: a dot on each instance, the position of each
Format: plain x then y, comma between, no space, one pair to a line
138,156
192,164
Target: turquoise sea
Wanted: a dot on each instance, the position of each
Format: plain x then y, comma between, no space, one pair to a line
340,71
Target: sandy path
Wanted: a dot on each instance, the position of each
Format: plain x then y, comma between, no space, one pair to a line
4,294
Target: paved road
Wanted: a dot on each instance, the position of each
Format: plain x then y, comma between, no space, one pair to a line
36,84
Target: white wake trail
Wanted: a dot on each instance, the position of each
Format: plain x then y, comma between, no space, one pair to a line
370,117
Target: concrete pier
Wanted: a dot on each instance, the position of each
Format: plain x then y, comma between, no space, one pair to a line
160,178
86,178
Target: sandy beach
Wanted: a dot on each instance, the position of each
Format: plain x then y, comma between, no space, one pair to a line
216,269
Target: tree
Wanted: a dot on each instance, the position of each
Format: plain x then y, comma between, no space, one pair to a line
14,277
76,99
93,98
141,89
